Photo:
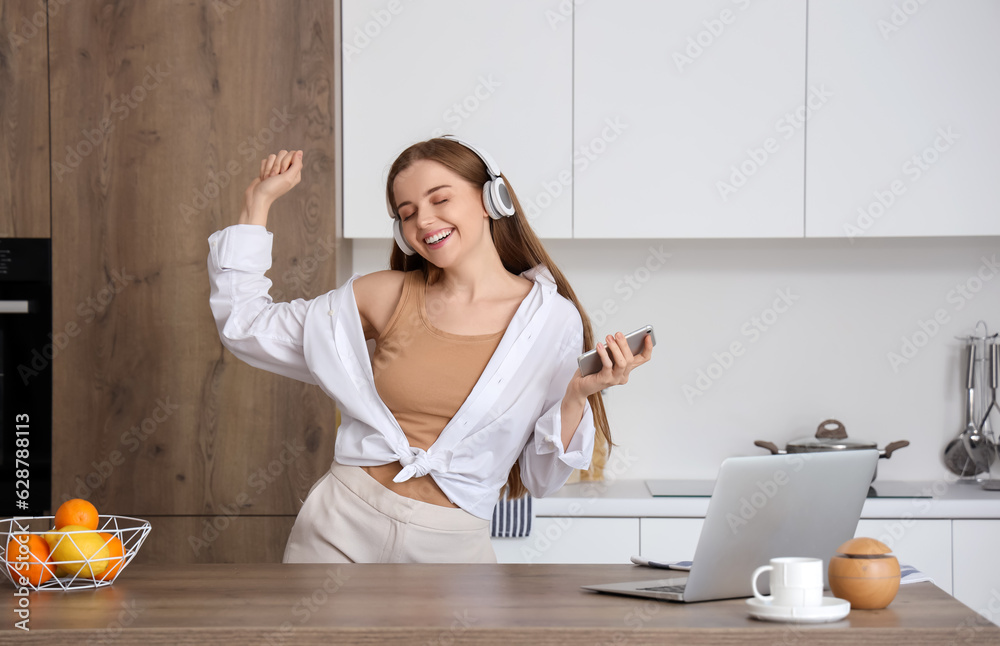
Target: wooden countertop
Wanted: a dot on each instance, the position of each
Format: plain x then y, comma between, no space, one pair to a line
443,604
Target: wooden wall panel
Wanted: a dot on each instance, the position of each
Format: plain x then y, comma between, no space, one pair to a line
24,121
224,538
215,539
152,415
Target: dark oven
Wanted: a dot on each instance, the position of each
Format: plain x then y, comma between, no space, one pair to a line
26,354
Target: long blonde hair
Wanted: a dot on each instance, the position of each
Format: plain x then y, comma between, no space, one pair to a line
516,243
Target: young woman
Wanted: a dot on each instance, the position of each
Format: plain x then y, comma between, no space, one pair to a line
472,385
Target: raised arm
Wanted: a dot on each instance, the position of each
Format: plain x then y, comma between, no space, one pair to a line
264,334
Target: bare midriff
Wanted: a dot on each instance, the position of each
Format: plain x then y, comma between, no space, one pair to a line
423,488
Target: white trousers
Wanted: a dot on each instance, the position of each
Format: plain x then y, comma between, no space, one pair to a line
350,517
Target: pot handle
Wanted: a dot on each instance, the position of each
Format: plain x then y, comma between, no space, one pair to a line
831,428
770,446
893,446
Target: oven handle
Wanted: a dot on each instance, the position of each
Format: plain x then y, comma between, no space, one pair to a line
14,307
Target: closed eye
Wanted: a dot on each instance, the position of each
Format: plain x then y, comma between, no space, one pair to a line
409,213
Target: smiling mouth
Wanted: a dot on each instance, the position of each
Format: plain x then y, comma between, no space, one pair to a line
438,237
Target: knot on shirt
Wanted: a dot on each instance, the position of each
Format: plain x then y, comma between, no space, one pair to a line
415,464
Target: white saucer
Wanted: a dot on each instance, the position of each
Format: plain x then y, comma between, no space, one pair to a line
831,609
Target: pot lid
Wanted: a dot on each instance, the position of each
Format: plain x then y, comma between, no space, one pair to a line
831,434
827,443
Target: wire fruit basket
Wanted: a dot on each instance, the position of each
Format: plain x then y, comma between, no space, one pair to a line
85,573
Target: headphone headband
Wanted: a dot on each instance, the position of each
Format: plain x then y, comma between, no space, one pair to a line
491,166
496,196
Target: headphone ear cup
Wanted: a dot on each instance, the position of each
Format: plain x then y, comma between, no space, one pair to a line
496,199
502,201
397,233
488,201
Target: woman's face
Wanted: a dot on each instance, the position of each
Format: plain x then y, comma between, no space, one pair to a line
442,214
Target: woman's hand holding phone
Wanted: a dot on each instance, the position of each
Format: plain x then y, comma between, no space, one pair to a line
617,361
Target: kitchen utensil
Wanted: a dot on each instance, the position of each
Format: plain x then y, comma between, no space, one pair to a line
990,483
986,425
994,350
832,436
956,455
957,459
972,437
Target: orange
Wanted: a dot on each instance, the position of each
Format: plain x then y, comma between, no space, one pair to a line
116,557
76,512
31,565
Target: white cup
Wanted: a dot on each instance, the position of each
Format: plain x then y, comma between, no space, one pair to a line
795,581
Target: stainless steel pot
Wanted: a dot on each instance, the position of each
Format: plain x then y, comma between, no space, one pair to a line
832,436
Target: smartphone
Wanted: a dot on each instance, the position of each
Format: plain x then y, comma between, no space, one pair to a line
590,362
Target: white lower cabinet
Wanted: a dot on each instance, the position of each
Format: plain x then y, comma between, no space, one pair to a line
924,544
977,566
570,539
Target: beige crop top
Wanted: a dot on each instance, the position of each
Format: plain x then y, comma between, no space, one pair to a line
424,374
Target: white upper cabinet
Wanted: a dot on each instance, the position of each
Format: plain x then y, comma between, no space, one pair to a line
688,118
909,142
498,74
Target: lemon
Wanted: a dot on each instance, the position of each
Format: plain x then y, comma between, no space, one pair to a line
52,537
77,545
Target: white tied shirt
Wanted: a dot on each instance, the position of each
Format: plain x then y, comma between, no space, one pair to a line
512,412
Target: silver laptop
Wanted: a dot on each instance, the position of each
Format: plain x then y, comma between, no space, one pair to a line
800,504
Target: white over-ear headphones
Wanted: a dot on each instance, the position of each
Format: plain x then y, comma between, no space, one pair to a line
496,196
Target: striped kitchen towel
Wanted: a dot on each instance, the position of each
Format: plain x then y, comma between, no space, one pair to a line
910,574
512,518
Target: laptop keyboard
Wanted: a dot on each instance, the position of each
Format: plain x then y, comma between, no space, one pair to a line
666,588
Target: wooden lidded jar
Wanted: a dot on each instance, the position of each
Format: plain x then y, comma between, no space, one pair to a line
865,573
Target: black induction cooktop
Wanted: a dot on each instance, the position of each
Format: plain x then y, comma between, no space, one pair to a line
703,489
